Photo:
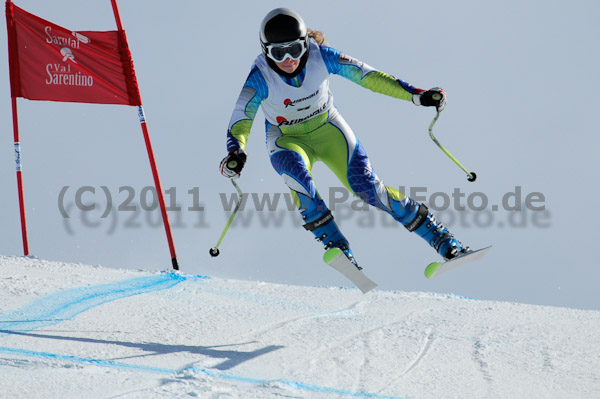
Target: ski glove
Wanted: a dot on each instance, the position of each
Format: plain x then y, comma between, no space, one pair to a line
435,97
233,163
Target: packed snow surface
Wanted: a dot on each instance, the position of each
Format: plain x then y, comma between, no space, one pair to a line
77,331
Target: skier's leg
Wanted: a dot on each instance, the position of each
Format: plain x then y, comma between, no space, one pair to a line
354,169
291,159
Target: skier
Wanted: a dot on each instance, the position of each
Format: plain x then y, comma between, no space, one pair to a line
290,80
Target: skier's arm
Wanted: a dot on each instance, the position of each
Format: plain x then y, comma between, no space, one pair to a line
368,77
252,94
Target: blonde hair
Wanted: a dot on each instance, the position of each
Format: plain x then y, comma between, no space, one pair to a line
318,36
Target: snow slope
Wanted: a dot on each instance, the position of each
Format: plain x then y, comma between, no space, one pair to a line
77,331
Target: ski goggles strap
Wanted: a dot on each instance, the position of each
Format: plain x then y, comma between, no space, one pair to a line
278,52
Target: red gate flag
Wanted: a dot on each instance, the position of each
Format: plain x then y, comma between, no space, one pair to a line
49,62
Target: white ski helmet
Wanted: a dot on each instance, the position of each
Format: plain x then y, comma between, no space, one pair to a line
283,25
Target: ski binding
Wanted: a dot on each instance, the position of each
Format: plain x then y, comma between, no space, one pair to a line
335,258
437,268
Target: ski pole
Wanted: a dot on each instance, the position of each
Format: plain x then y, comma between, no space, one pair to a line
214,251
471,176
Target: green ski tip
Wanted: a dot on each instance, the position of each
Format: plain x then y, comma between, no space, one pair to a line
331,254
432,269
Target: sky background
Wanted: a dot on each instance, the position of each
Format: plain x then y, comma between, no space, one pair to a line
522,81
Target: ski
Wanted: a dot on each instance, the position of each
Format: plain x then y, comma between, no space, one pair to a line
335,258
437,268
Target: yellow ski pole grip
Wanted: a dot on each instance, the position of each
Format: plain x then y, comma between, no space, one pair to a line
232,164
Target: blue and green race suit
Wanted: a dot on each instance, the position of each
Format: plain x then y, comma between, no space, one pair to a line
295,144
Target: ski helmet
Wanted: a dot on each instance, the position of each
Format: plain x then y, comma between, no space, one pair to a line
283,25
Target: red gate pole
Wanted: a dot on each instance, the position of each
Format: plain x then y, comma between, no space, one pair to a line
14,70
159,191
20,177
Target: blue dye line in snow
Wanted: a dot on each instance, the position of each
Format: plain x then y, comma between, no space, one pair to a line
82,360
300,386
65,305
294,384
468,298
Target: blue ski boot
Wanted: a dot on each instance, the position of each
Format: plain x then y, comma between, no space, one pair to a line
436,234
327,231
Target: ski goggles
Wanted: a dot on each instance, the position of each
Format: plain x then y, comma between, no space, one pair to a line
278,52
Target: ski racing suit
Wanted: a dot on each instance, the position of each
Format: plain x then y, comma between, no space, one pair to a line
303,127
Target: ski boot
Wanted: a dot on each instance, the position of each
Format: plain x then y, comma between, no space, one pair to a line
327,231
438,236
